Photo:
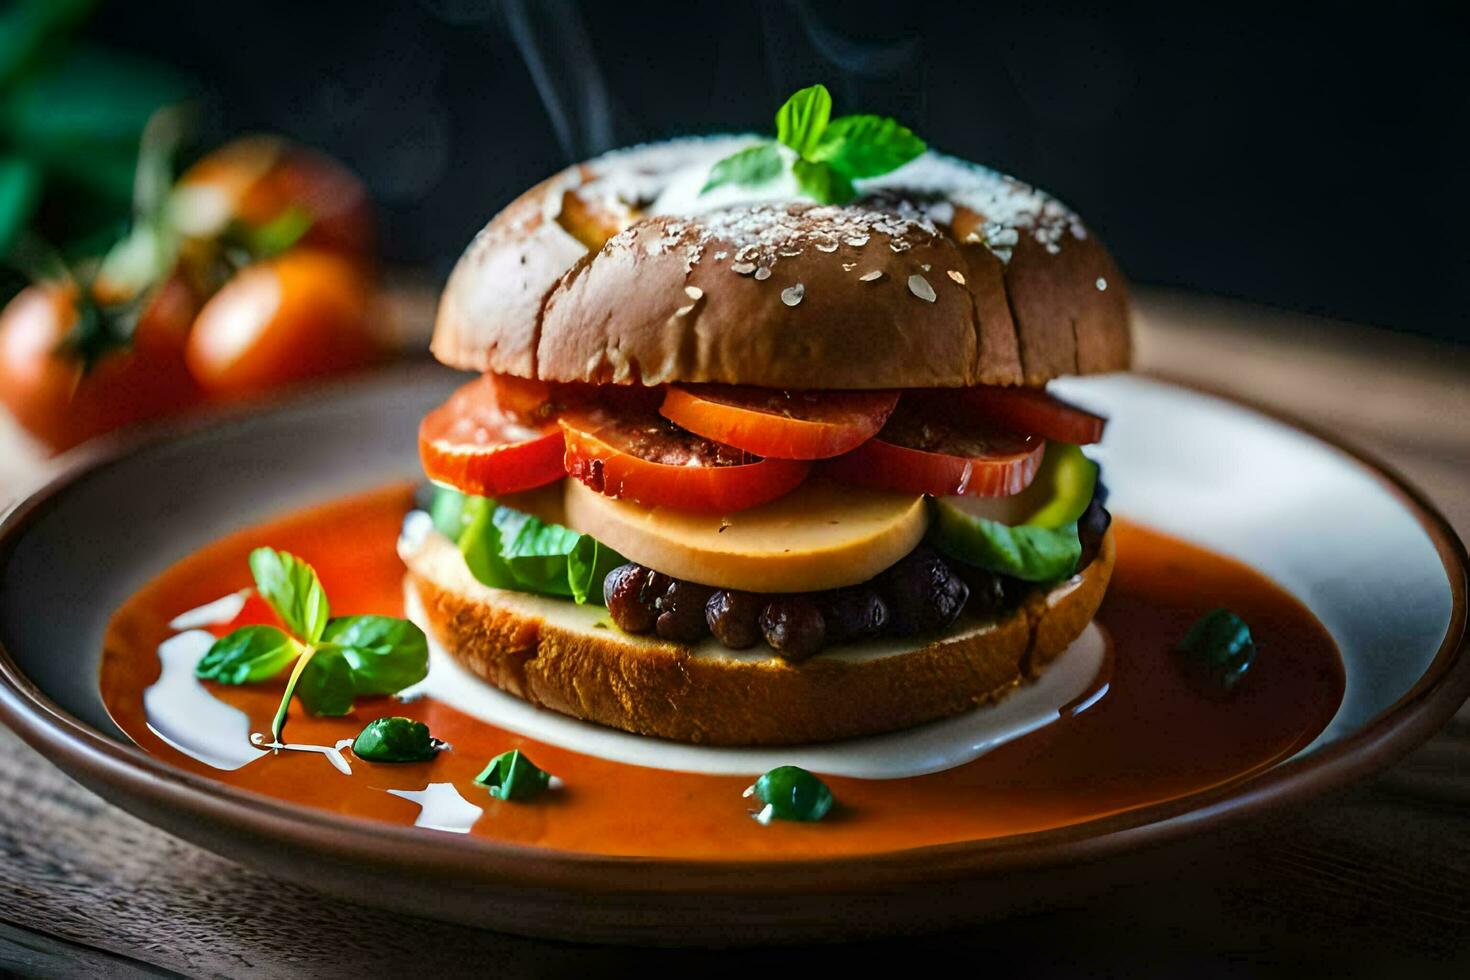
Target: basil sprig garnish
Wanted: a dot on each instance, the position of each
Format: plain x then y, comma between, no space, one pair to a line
396,739
1218,651
336,659
829,153
512,776
791,793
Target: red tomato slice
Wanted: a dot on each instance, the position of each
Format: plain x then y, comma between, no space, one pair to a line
475,444
642,457
1034,411
529,400
783,424
920,451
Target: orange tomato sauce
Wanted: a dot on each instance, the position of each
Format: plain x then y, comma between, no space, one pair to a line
1150,738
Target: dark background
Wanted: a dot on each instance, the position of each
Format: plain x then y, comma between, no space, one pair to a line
1315,162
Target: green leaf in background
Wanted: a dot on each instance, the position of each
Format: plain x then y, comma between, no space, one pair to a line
822,183
326,685
750,167
292,589
1218,650
88,98
248,655
395,740
801,121
512,776
20,190
867,146
509,549
385,654
29,28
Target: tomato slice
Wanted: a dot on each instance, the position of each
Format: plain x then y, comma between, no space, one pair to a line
1034,411
923,451
640,456
783,424
475,444
529,400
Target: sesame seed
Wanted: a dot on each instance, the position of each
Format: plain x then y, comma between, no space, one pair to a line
956,276
693,292
826,246
792,295
873,276
848,266
857,241
684,310
763,273
1102,284
926,267
920,287
744,268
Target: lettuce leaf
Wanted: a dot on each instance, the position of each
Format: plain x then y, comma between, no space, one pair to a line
1031,536
510,549
1026,551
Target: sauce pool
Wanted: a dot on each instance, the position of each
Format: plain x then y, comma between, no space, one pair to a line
1151,737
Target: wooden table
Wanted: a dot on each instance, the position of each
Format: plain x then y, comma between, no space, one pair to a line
1374,876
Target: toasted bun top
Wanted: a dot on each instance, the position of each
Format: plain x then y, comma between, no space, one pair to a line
943,274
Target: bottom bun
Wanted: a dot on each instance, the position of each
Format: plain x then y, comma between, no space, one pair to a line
571,659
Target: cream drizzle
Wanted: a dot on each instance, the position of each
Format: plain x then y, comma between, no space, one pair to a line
441,808
181,711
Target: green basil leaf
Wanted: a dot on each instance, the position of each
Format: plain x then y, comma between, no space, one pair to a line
326,686
867,146
750,167
292,589
248,655
1218,650
822,183
395,740
385,654
791,793
1026,552
20,189
801,121
480,544
512,776
509,549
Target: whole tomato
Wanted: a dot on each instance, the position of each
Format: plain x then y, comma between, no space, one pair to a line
59,400
302,314
256,179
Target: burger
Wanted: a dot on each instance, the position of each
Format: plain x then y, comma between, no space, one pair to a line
748,466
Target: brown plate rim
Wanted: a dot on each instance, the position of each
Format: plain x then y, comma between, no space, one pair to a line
100,760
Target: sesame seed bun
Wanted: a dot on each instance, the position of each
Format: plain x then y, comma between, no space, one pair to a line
943,274
567,658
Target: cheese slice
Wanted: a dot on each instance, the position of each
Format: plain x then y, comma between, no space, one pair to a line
822,535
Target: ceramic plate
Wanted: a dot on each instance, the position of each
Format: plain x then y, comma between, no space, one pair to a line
1377,566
